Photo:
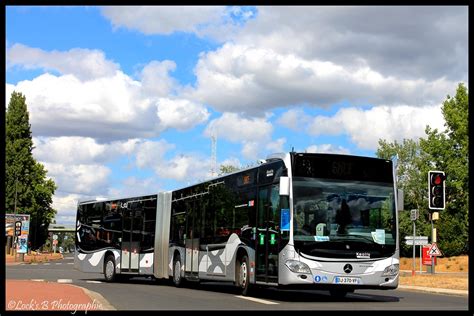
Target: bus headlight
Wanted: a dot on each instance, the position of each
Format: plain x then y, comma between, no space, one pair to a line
391,270
297,266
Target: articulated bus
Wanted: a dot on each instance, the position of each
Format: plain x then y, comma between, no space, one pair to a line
314,221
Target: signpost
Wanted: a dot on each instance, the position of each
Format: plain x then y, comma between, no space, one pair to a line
419,240
414,216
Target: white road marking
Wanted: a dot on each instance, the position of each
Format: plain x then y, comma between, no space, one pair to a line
34,264
46,264
256,300
64,280
95,282
70,263
37,280
58,263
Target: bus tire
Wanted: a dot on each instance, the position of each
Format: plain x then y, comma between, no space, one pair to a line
109,269
243,275
177,278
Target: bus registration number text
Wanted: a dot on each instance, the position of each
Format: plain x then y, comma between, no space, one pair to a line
346,280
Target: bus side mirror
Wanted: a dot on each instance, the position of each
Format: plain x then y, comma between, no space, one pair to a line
284,186
400,200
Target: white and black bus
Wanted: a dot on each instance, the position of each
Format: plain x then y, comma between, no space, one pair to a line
298,220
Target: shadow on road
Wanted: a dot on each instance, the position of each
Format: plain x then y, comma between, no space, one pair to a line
283,295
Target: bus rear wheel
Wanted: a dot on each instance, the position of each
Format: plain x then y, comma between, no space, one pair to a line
243,276
177,279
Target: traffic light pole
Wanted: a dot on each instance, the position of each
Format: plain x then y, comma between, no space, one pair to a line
433,239
414,259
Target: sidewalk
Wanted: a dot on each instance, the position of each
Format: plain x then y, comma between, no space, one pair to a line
433,290
32,295
44,257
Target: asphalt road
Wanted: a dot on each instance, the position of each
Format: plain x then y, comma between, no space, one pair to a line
148,294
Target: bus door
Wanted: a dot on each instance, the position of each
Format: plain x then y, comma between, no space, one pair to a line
268,234
191,267
131,237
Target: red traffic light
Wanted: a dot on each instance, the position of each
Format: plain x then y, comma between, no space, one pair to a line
436,179
436,190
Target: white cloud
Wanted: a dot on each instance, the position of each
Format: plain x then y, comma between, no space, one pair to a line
105,108
181,114
255,79
402,41
328,149
66,205
151,153
164,19
276,146
79,150
155,78
189,166
85,64
85,179
185,167
133,186
366,127
236,128
253,133
108,108
294,119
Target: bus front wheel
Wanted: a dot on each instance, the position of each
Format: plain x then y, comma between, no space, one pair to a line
243,276
109,269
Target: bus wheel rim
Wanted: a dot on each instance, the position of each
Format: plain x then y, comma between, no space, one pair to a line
109,269
177,275
243,274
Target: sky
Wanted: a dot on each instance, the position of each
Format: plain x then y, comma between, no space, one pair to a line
125,101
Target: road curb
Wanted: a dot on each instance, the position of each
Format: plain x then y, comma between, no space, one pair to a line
97,297
434,290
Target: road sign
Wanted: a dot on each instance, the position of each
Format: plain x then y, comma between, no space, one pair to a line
434,250
426,257
414,214
55,237
419,240
55,242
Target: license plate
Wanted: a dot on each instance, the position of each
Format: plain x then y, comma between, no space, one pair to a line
346,280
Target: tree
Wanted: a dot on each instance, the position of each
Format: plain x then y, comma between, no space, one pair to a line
446,151
27,191
225,169
412,180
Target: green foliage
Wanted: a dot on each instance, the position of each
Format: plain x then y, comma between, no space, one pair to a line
26,187
225,169
441,150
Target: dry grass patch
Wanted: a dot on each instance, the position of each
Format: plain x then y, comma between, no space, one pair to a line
437,281
451,264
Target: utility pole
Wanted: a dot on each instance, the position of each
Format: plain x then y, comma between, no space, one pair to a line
14,216
213,153
414,216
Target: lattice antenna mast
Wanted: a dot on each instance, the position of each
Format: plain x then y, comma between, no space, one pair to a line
213,153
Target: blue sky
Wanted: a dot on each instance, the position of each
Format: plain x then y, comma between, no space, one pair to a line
124,100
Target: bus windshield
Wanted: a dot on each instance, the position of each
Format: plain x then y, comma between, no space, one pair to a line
343,219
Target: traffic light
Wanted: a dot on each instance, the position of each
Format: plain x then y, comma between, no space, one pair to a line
436,190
